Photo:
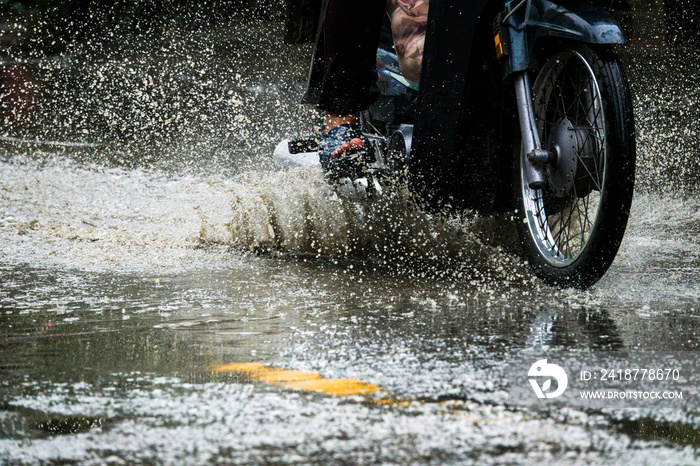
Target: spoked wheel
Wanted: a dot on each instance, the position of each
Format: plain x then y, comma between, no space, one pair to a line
571,230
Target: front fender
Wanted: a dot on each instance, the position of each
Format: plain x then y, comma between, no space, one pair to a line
577,20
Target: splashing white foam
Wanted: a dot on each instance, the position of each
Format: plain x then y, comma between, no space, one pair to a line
58,212
87,216
91,217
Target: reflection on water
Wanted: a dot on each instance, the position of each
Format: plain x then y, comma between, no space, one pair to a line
107,355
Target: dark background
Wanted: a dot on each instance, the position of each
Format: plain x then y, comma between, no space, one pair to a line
49,26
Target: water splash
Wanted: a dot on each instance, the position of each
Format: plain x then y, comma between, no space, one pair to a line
88,216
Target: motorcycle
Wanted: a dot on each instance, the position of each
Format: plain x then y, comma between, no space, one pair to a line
522,106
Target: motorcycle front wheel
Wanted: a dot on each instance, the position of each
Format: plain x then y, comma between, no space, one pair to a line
572,228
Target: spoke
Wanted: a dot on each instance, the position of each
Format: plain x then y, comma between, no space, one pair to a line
560,100
544,202
567,225
581,90
581,224
587,204
593,178
567,89
596,112
564,227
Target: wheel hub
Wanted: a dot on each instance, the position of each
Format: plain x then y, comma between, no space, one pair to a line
573,148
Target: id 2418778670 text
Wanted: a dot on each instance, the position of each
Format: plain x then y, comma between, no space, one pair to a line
631,374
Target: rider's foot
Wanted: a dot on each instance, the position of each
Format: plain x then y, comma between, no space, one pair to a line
345,152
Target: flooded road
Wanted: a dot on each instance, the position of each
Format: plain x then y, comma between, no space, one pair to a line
134,288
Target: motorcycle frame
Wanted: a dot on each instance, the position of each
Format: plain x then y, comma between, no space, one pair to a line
468,114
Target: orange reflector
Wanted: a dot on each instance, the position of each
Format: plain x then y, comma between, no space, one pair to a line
499,45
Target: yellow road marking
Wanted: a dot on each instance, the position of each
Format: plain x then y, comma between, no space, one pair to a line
241,367
337,387
298,380
313,382
287,377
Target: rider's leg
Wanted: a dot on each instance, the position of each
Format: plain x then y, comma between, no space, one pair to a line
339,83
345,56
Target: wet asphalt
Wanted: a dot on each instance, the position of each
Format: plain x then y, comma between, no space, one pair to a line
132,269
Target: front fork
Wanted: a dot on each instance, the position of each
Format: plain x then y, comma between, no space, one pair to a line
534,156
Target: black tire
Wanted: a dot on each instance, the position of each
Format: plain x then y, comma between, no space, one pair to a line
571,230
